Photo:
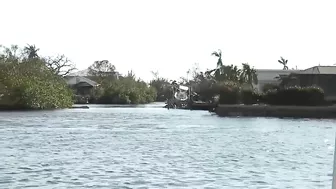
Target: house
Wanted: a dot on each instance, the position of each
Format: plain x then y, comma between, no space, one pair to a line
80,84
269,76
321,76
85,73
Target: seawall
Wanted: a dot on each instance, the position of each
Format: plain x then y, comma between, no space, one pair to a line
327,112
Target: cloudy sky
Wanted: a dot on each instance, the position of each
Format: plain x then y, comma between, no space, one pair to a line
171,36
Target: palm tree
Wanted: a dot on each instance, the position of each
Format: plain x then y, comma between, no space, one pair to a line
31,51
219,55
230,73
283,62
248,75
217,70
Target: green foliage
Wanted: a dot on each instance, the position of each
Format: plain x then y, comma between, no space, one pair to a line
162,86
27,83
269,86
297,96
31,51
229,93
125,90
232,73
234,93
102,69
294,96
249,97
225,80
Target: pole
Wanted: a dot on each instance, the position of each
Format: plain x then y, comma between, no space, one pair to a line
334,168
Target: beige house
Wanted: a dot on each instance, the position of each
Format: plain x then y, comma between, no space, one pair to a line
321,76
268,76
82,85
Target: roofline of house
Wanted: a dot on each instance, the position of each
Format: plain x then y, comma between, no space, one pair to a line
276,70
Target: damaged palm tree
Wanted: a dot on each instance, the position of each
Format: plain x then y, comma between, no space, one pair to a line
284,63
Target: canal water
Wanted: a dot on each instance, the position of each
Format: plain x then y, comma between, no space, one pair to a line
152,147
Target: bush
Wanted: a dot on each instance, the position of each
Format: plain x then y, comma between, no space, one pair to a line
123,91
297,96
250,97
31,85
269,86
229,93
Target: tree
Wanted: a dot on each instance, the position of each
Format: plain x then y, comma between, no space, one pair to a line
60,65
31,51
131,75
248,75
102,69
219,55
229,73
283,62
217,70
162,87
9,53
27,83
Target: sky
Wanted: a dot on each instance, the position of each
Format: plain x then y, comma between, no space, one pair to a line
172,36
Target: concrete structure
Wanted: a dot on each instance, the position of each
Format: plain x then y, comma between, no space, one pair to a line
268,76
236,110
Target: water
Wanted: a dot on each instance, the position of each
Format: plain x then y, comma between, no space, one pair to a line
151,147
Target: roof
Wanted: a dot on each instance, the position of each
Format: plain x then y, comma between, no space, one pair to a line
85,73
271,74
319,70
73,80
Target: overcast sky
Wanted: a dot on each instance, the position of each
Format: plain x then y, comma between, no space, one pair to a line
170,36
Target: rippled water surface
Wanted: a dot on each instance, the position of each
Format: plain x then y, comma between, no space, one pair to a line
151,147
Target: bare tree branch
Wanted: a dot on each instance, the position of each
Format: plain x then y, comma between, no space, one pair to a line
60,65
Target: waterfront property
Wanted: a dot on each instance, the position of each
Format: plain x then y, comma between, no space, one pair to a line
269,76
81,85
320,76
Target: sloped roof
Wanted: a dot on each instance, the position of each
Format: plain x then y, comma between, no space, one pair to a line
79,79
319,70
80,73
85,73
270,74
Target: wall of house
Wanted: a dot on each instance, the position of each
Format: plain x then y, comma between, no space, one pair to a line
326,81
84,90
268,76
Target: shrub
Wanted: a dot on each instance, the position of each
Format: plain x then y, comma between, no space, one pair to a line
269,86
298,96
250,97
123,91
30,85
229,93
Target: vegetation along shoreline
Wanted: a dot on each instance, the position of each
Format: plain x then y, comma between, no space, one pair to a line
29,81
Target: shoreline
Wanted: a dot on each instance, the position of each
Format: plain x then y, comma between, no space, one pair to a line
319,112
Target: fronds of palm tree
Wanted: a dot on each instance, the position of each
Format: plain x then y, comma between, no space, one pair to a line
219,55
217,71
230,73
31,51
248,75
283,62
